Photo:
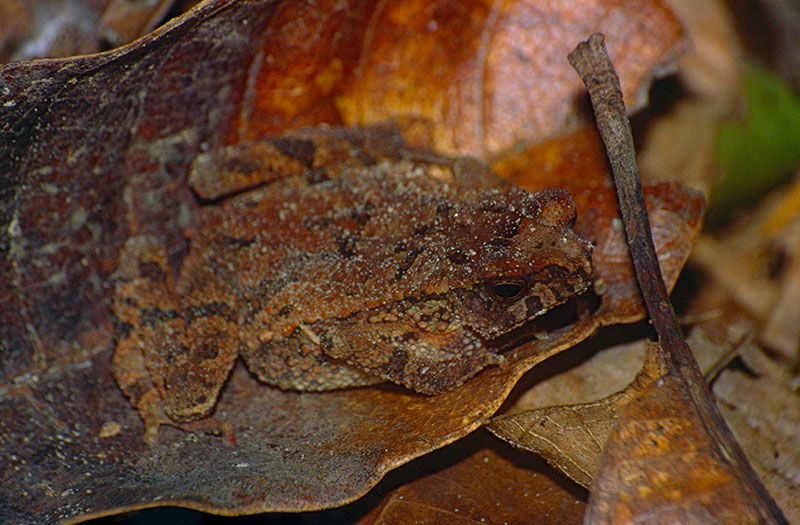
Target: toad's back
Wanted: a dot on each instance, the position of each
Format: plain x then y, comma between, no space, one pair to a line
300,251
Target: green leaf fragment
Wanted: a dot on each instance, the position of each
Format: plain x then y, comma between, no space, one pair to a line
759,152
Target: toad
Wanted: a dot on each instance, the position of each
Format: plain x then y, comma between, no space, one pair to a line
327,263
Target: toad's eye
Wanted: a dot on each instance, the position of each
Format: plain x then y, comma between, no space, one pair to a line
506,290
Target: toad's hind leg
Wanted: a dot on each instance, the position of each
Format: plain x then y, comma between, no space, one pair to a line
297,362
421,345
171,359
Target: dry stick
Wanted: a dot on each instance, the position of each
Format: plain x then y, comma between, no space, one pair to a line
590,59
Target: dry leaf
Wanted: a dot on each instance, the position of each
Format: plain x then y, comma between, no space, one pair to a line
757,396
490,483
782,330
49,28
764,414
659,465
590,393
755,263
479,67
572,436
15,22
710,68
124,21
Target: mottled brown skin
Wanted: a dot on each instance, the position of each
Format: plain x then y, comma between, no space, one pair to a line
345,267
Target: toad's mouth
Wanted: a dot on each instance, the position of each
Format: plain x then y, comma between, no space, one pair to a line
554,322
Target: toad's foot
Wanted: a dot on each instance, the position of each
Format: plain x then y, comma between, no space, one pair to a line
151,411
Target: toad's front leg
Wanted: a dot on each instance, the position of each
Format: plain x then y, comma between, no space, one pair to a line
172,358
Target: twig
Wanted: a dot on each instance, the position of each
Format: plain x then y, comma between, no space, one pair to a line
590,59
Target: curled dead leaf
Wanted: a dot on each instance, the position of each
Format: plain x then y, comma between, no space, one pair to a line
572,437
478,65
480,480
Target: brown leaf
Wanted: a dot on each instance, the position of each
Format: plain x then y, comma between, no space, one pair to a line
15,23
755,395
49,28
54,28
680,139
476,68
125,21
756,262
748,272
490,483
95,148
782,331
661,463
572,437
764,413
576,382
710,67
305,58
591,393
